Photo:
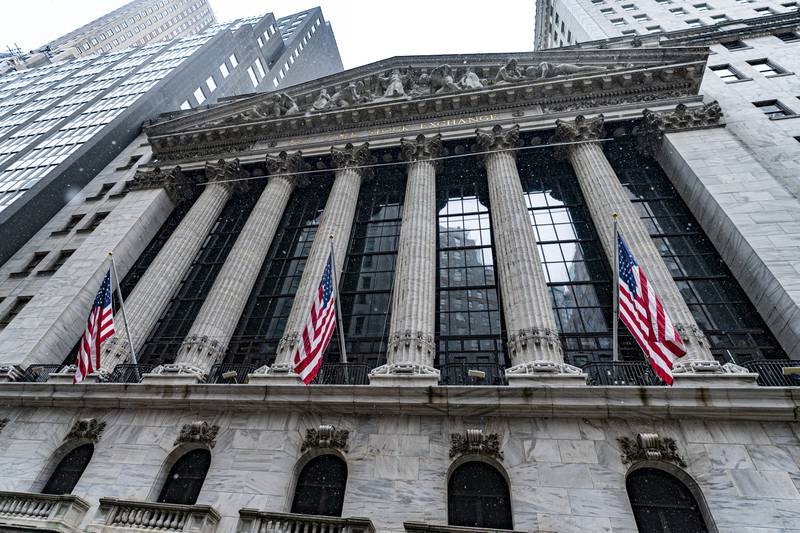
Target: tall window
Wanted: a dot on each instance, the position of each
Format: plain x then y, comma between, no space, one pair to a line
368,275
186,477
717,302
320,487
662,503
69,470
576,269
469,328
173,325
255,340
478,496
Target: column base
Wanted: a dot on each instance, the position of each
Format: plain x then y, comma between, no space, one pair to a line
711,374
174,374
404,375
277,374
545,374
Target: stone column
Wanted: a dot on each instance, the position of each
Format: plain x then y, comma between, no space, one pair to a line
153,292
207,340
533,342
605,195
411,350
337,221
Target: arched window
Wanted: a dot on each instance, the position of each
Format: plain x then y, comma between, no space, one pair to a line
69,470
185,478
320,487
477,496
662,503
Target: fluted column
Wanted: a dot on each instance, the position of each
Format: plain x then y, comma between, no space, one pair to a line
337,221
156,287
605,195
411,350
533,342
208,338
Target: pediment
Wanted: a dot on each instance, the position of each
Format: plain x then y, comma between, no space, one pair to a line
425,86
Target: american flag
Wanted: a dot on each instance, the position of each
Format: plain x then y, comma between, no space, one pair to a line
642,312
99,327
319,328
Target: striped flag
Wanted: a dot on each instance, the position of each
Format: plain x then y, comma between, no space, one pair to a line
319,328
99,327
641,311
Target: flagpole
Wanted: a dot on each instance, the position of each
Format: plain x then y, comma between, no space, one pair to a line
615,282
122,308
340,324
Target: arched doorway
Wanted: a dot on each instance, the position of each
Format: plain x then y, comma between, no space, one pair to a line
478,496
186,477
69,470
320,487
662,503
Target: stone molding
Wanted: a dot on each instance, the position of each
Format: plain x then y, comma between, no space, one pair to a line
423,341
474,441
285,164
86,429
498,139
175,182
179,369
655,125
421,148
405,369
650,447
544,367
198,432
325,436
518,341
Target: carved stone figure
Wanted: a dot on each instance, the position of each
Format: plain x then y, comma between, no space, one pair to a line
86,428
198,432
420,85
650,447
474,441
322,102
470,80
394,84
350,95
545,70
442,80
326,436
510,73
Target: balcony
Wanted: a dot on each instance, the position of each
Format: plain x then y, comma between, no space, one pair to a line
28,511
126,373
343,374
115,516
39,373
230,373
460,374
254,521
774,372
622,373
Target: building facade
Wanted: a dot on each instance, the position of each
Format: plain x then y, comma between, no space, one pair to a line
62,123
470,213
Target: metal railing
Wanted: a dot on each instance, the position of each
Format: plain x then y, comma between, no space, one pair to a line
472,374
622,373
230,373
254,521
771,374
127,515
39,373
343,374
127,373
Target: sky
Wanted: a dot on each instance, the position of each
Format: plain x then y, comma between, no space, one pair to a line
365,30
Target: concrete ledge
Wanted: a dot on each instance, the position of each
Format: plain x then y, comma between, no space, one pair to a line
735,403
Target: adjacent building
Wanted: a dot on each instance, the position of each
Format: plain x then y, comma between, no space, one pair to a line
468,202
61,124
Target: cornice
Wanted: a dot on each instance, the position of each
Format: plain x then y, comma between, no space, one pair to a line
734,403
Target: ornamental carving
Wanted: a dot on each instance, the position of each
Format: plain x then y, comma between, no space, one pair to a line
422,148
285,164
655,125
474,441
212,348
198,432
278,105
351,156
224,172
498,138
86,429
178,186
650,447
326,436
419,339
545,337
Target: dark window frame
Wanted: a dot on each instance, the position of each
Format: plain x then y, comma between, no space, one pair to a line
186,476
321,486
69,470
479,495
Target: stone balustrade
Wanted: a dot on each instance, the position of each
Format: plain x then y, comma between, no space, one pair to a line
123,515
41,511
254,521
422,527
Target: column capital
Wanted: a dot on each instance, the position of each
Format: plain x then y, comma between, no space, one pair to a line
422,148
286,165
174,181
224,172
580,129
498,138
654,125
351,156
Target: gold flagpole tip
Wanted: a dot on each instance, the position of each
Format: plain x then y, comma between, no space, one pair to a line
330,236
110,253
614,216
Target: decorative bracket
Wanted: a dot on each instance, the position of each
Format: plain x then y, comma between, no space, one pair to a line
326,436
655,125
86,428
650,447
474,441
198,432
175,182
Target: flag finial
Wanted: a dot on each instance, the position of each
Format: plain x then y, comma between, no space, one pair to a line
615,216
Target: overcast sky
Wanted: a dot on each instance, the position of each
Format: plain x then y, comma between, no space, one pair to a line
365,30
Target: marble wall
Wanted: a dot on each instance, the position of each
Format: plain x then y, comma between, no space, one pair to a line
566,474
